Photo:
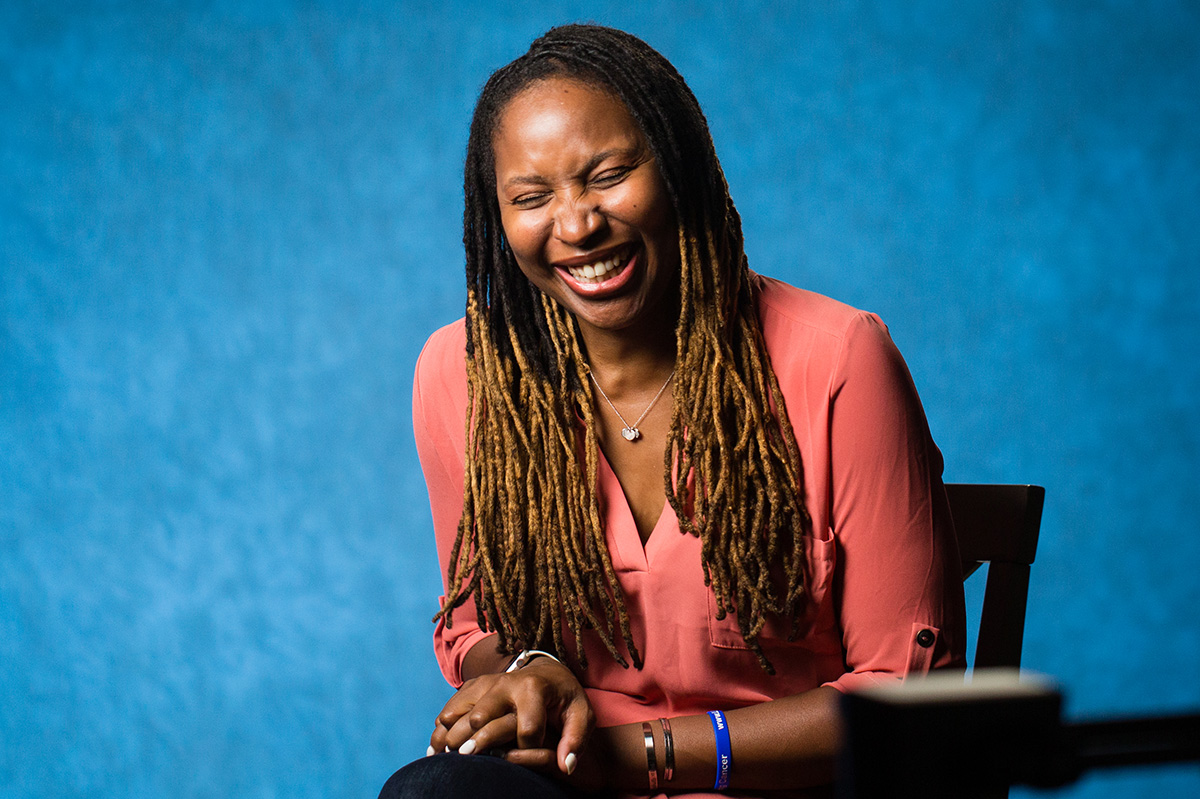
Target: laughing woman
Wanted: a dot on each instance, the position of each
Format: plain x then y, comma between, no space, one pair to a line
679,506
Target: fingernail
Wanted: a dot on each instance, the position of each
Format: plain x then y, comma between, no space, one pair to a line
570,761
468,747
429,752
447,750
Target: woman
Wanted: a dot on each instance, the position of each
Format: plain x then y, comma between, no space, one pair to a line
680,506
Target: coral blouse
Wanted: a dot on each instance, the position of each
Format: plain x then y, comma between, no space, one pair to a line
885,582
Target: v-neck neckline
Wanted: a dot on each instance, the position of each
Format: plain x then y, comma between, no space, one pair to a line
625,542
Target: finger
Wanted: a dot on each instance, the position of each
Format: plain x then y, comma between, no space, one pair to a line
577,723
461,703
458,734
496,704
437,740
531,719
498,733
536,759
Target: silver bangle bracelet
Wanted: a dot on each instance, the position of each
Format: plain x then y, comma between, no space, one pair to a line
668,750
651,760
524,657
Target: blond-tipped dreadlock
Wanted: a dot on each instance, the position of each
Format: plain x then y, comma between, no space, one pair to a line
530,545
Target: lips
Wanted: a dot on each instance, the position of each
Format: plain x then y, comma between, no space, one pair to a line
602,276
596,272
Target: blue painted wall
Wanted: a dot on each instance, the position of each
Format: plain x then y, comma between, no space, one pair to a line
227,227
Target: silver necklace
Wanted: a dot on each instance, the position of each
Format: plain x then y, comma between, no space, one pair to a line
630,431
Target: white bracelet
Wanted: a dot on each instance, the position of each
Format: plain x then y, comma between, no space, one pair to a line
526,655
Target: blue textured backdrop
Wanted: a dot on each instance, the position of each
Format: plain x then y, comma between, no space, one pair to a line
227,227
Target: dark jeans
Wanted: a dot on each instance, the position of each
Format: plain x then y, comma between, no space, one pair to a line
452,776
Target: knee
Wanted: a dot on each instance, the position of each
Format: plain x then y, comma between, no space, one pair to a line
438,777
417,779
453,776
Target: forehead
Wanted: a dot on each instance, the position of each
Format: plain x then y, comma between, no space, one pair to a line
562,111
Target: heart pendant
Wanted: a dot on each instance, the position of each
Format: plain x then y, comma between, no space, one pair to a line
631,433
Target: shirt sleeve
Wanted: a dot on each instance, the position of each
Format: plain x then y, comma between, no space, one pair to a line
898,583
439,413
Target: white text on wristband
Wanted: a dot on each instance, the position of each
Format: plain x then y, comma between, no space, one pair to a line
724,751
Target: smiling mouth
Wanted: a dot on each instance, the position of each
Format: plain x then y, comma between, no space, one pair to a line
599,271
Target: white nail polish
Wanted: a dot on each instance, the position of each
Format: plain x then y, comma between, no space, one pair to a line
429,752
570,761
447,750
468,747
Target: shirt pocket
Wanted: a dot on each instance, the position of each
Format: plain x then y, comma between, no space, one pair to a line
817,628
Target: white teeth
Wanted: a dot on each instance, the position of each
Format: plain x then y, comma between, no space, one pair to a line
595,273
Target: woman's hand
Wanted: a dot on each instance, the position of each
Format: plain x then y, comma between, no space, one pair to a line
592,770
524,709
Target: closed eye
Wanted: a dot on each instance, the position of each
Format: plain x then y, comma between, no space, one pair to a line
611,177
533,200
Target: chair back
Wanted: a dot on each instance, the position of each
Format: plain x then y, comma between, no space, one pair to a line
998,525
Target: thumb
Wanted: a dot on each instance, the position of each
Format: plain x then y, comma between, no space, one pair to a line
577,721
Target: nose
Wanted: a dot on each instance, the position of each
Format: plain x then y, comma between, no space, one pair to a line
578,221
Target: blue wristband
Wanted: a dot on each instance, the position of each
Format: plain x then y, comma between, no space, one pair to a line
724,751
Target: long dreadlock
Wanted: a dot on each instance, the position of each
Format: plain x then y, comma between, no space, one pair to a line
530,545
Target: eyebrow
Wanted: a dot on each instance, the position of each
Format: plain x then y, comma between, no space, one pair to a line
595,161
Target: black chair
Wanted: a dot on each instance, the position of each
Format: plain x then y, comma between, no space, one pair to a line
998,525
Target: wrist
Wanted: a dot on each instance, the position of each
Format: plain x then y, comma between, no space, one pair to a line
527,656
724,750
484,657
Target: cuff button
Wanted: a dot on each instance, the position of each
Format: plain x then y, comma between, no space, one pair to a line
925,638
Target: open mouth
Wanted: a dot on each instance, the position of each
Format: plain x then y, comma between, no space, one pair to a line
598,271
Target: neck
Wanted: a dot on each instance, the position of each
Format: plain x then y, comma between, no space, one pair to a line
629,360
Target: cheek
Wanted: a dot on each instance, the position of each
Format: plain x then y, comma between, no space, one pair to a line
524,232
516,237
526,271
526,251
528,274
649,207
524,263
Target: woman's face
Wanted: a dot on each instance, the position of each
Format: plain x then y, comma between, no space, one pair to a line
584,207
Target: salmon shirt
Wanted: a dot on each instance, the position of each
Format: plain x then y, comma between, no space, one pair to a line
885,586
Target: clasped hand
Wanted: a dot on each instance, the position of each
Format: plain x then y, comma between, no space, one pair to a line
521,712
